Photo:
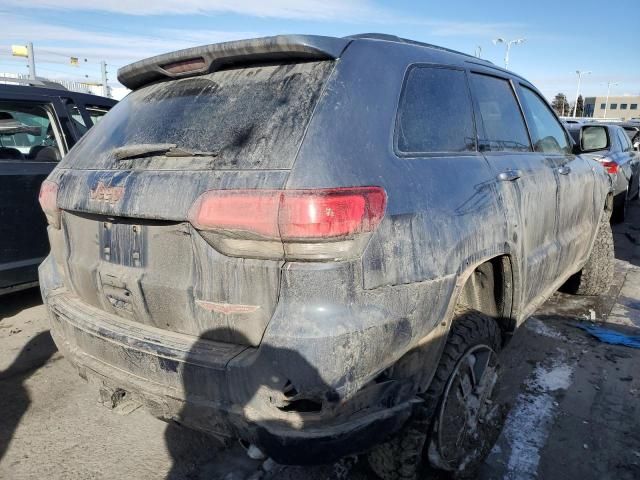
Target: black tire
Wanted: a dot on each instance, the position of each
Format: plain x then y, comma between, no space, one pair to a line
597,274
636,182
620,203
415,447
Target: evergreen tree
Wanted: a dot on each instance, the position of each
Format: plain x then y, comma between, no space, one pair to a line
580,107
561,105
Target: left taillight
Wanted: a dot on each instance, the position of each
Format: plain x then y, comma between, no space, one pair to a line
48,199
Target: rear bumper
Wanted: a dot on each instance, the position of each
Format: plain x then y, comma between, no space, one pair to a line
219,388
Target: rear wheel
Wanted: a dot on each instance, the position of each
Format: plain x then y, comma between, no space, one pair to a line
636,189
596,275
457,424
620,203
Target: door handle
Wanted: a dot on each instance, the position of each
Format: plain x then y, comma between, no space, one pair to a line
509,175
564,170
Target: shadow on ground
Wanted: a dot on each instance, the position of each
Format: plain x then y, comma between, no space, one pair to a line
14,400
13,303
260,374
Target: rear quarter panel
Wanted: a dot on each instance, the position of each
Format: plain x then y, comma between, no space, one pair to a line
443,217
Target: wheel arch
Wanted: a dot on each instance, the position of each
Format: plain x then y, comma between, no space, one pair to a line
489,286
497,275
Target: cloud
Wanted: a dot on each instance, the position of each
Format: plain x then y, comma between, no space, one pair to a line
291,9
119,48
56,42
351,11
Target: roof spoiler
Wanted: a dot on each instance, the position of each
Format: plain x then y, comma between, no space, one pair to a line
208,58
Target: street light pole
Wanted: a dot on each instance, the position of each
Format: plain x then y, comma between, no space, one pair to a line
508,44
575,106
105,80
32,61
606,102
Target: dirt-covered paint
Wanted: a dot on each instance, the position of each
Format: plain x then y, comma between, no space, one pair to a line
335,353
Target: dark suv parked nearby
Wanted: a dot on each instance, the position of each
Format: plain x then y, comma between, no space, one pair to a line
38,126
319,244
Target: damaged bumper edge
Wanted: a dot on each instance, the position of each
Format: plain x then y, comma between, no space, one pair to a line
176,382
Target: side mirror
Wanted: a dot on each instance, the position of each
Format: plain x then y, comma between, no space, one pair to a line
593,138
636,145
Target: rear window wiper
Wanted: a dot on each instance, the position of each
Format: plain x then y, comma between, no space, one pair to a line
142,150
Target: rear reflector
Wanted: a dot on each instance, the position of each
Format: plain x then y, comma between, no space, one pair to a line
310,216
48,199
612,167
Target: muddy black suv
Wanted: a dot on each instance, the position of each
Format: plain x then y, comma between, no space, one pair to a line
318,244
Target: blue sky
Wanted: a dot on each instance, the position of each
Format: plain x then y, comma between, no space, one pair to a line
562,36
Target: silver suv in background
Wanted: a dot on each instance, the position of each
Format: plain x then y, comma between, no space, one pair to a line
612,146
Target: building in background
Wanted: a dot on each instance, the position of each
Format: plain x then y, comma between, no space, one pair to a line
623,107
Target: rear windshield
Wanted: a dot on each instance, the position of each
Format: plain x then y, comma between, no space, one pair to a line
246,118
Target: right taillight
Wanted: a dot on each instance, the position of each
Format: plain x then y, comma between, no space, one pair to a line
313,224
48,199
612,167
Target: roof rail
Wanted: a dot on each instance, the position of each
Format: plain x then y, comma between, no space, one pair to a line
208,58
394,38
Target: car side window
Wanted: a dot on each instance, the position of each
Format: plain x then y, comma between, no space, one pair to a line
27,133
96,113
547,133
624,141
502,121
76,119
435,113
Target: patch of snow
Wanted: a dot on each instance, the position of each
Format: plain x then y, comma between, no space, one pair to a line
557,377
527,426
541,328
526,433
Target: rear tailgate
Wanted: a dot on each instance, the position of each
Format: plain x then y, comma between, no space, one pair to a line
129,248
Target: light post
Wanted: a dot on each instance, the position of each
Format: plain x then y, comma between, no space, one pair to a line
606,102
579,73
508,44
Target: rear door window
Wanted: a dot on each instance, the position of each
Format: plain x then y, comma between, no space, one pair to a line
240,118
435,114
625,143
94,113
503,128
547,134
27,133
77,120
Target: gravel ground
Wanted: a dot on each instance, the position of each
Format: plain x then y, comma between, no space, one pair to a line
573,403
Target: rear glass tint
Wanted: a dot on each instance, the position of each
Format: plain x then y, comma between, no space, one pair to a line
435,113
247,118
